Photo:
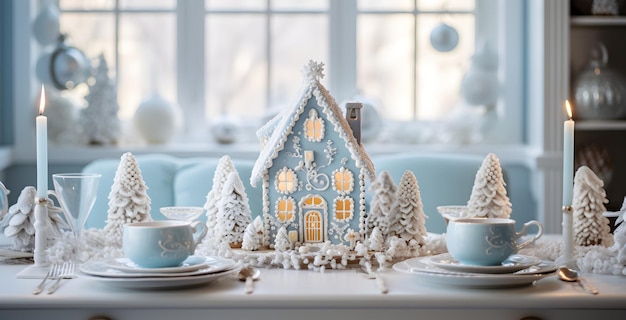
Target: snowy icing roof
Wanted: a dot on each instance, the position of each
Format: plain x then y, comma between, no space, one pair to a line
288,118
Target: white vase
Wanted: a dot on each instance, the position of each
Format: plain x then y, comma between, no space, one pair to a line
156,119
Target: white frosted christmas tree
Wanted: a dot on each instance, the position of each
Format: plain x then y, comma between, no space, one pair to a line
99,120
406,217
282,242
19,222
488,198
233,211
591,228
384,193
253,235
376,240
224,167
619,236
128,200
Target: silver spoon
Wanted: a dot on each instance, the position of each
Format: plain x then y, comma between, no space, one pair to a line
249,274
571,275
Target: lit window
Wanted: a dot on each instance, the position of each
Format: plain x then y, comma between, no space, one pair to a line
313,201
285,209
343,181
314,127
286,181
343,208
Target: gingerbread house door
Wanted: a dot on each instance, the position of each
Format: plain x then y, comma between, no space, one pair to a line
313,211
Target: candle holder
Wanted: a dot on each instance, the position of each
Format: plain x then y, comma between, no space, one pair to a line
567,255
39,269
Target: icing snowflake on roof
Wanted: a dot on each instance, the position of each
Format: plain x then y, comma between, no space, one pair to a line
313,71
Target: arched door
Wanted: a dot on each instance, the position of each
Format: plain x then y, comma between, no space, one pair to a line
313,219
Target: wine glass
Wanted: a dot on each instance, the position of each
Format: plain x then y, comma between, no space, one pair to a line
188,214
76,192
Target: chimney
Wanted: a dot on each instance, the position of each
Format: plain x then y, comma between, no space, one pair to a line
353,115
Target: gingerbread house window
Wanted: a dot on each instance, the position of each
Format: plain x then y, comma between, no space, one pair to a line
286,181
285,209
314,127
343,181
343,208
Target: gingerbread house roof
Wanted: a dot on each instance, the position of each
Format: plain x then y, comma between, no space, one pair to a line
289,117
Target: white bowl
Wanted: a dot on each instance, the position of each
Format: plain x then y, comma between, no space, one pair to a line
451,212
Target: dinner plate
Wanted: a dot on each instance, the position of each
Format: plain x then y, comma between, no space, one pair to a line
162,282
102,268
429,273
192,263
514,263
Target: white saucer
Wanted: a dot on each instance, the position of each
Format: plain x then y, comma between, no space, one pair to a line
190,264
514,263
103,268
428,273
161,282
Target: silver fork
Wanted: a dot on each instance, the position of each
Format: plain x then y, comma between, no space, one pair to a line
67,272
52,273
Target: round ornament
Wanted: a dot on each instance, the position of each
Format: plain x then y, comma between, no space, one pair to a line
444,38
225,129
156,119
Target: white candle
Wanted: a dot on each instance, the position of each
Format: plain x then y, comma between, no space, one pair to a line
42,149
568,184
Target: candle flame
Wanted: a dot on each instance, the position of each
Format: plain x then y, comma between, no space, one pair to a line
42,101
568,108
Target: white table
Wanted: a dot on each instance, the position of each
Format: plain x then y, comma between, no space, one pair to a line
302,294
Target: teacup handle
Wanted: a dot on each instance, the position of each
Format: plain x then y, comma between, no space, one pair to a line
523,232
197,239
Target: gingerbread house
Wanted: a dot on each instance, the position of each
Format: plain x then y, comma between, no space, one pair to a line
313,169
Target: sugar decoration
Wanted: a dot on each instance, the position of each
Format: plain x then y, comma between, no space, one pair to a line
488,198
590,226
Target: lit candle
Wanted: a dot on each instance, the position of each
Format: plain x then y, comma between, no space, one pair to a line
568,185
42,148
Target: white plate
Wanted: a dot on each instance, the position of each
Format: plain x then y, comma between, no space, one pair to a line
429,273
161,282
512,264
102,268
190,264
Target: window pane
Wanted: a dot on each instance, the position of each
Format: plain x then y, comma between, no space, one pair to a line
147,4
299,4
296,39
86,5
385,62
236,69
236,5
434,5
386,5
439,74
147,53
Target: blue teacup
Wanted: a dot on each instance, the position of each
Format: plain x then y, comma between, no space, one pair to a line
486,241
161,244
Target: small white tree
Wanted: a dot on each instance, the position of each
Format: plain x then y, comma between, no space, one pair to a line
488,198
407,218
99,120
233,211
224,167
384,193
591,228
376,240
282,242
253,235
128,200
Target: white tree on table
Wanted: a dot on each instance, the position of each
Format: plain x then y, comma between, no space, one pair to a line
384,193
406,217
128,201
591,228
253,235
488,198
224,167
233,211
99,120
282,242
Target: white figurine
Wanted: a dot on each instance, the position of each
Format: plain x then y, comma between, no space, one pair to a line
282,242
590,226
488,198
253,235
406,217
224,167
233,211
384,193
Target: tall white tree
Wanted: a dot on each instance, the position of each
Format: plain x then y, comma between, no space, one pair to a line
488,198
591,228
233,211
384,193
99,120
407,218
224,167
128,200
